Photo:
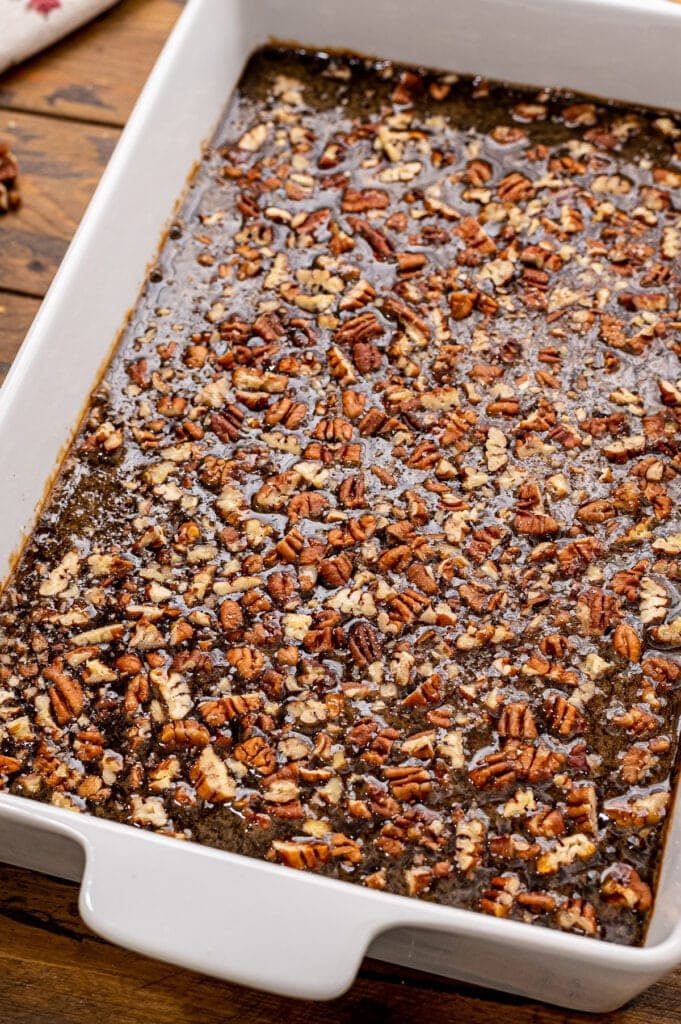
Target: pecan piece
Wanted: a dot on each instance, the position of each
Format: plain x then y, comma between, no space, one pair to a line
66,695
499,898
395,559
654,601
469,844
351,492
517,721
515,188
461,304
422,578
408,783
282,586
637,762
535,524
494,772
363,644
301,855
231,616
622,886
375,421
414,326
663,671
356,201
216,712
247,661
636,720
290,546
548,823
382,247
626,642
362,328
226,424
212,780
366,357
306,505
536,764
566,851
335,429
599,511
184,735
597,611
637,812
513,848
536,902
577,915
335,572
582,809
576,556
326,634
257,754
563,717
287,412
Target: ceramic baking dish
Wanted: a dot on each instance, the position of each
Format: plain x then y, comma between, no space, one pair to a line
234,917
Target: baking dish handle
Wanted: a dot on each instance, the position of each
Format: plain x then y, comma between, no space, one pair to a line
235,918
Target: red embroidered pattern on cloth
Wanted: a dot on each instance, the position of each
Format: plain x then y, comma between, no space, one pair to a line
43,6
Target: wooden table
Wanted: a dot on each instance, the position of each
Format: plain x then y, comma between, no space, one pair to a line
63,113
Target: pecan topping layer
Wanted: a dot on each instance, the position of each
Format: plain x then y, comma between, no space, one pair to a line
365,560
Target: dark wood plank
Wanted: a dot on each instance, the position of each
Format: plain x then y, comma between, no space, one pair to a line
60,163
55,970
16,314
96,73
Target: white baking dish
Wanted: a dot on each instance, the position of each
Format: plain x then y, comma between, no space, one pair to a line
242,919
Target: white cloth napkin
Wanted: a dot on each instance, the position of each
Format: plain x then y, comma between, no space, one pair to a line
27,26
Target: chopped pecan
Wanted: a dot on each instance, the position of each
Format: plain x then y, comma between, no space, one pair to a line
469,844
351,492
517,721
597,611
308,854
66,695
366,357
577,915
626,642
622,886
211,778
582,809
184,735
535,524
408,783
563,717
637,811
363,644
247,662
231,616
499,898
288,413
548,823
335,572
257,754
566,851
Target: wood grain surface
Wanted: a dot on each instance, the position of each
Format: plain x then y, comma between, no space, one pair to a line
63,112
16,314
61,163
